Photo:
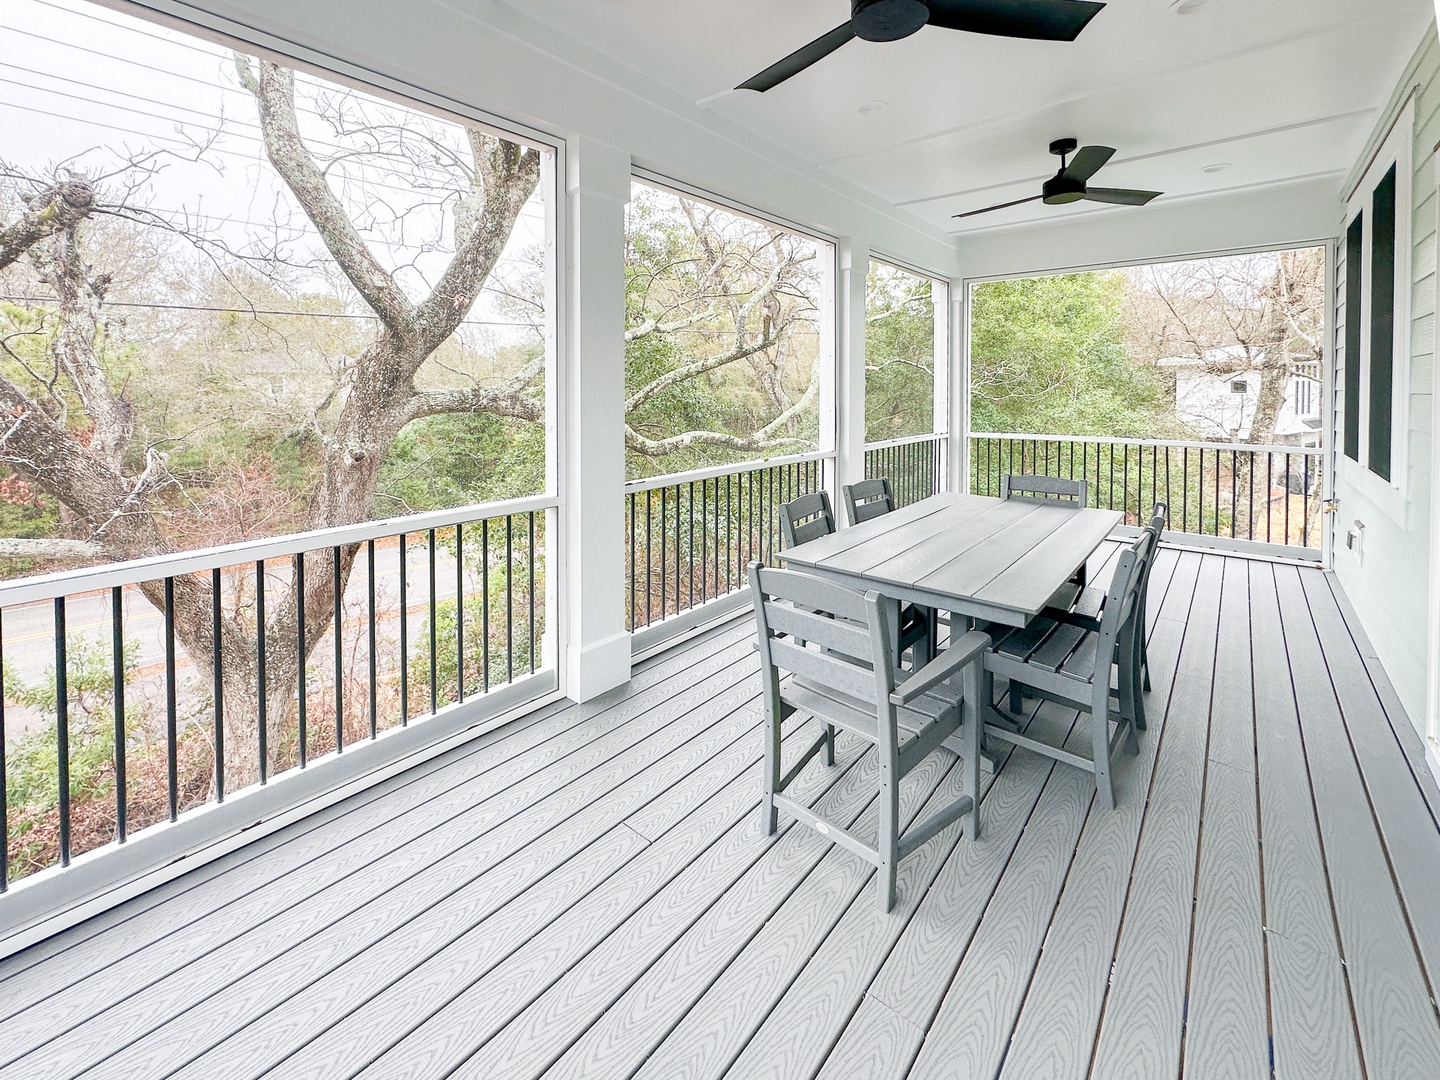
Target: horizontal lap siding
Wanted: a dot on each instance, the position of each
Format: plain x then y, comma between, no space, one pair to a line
1383,588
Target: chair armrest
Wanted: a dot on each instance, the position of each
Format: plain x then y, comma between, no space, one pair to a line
965,651
1070,618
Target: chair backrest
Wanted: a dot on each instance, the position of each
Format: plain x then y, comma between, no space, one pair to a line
1159,517
793,609
868,499
1043,489
1126,600
806,518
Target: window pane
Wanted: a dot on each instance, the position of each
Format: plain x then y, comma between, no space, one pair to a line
1382,324
722,341
1354,259
899,354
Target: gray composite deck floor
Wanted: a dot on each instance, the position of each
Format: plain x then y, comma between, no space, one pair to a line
586,893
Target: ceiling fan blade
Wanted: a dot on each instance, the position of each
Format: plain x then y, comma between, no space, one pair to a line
1088,161
1039,20
1120,196
799,60
998,206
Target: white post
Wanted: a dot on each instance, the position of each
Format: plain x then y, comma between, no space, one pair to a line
850,366
597,645
959,385
940,410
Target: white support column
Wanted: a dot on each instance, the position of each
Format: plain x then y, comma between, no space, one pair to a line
597,187
940,307
959,386
850,365
1432,654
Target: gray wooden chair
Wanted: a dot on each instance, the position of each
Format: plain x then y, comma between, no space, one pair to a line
848,680
1071,662
1044,489
806,518
868,499
809,518
1047,489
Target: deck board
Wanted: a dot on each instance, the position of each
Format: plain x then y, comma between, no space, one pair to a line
586,893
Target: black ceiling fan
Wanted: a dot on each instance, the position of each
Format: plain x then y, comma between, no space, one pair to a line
890,20
1070,184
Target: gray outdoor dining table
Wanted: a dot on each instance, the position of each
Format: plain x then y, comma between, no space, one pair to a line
972,555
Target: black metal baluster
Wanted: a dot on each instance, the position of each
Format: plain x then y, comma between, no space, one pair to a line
117,684
632,560
217,685
531,590
300,693
1287,498
1234,490
4,793
690,597
62,730
263,728
509,598
459,612
434,630
374,672
1269,487
171,712
1250,456
1185,488
404,636
339,658
485,598
664,545
1217,493
649,556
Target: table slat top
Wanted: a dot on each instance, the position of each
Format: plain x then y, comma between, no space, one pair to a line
972,549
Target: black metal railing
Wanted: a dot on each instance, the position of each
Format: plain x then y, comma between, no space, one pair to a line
133,692
915,466
1234,491
690,536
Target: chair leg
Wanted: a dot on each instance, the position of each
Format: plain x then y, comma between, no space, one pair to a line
1017,698
1100,747
974,721
769,819
889,832
1145,663
829,744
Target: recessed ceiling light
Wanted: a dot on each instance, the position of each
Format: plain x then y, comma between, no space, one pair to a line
872,107
1219,166
1187,7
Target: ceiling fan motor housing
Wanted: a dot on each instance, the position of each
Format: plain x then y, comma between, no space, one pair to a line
887,20
1063,189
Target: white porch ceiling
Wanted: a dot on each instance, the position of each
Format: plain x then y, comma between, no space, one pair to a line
1278,89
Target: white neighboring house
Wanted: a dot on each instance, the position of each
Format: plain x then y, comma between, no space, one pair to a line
1221,406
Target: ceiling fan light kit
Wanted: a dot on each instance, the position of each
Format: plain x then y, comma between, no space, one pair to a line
891,20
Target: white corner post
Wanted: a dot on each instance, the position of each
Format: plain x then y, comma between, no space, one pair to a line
597,188
940,390
850,365
959,346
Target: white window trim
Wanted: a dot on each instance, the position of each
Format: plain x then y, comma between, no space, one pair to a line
1391,496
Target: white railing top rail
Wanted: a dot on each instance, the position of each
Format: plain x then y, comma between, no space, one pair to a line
651,483
908,440
109,575
1255,448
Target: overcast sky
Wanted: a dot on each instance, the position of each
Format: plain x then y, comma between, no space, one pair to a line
88,86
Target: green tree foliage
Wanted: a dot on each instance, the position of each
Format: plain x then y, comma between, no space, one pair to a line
899,354
1048,355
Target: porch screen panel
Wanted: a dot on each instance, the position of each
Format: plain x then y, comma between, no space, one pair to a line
1354,255
1382,323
